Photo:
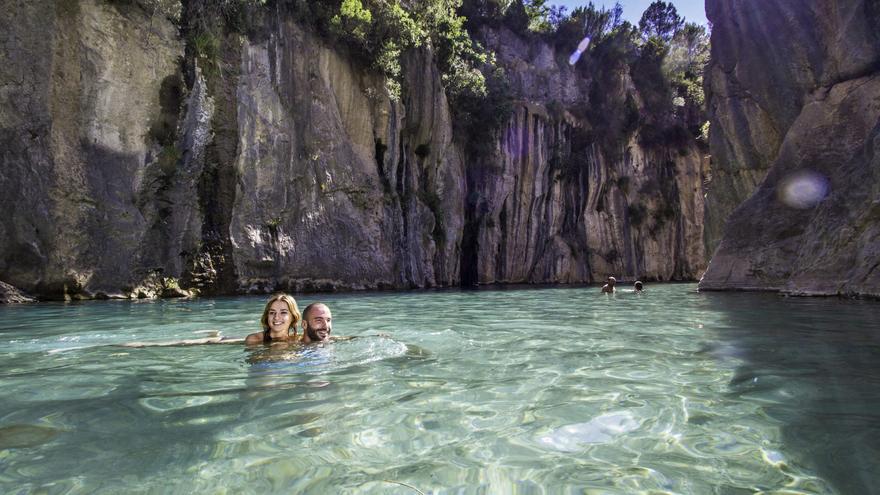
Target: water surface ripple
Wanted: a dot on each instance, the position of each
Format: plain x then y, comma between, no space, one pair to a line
523,390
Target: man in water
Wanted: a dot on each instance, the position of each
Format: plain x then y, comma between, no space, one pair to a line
637,287
609,287
317,323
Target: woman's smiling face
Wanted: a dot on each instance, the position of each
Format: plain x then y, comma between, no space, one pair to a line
279,318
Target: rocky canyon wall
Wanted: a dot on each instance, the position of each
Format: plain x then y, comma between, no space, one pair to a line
337,185
554,202
133,167
81,84
795,114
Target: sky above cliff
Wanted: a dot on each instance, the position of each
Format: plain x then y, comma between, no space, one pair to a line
691,10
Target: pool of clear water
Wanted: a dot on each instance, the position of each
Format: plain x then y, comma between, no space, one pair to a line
524,390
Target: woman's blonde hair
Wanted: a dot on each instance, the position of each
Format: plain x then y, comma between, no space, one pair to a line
291,306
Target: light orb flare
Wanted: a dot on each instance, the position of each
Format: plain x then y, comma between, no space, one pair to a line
582,47
803,189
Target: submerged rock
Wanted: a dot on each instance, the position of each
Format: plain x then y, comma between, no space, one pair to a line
24,436
601,429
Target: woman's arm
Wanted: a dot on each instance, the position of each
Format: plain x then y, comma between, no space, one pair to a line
170,343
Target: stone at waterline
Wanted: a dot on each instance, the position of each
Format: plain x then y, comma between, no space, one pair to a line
11,295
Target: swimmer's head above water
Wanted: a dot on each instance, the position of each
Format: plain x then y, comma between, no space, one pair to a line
609,285
317,323
280,316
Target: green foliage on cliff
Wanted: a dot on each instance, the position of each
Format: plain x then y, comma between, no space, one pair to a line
567,31
381,32
683,67
664,56
661,21
459,57
206,26
521,16
206,47
353,20
478,116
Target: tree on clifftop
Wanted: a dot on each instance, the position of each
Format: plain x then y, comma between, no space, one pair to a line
660,20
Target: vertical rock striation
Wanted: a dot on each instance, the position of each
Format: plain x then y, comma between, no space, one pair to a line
795,108
133,164
80,91
554,202
339,186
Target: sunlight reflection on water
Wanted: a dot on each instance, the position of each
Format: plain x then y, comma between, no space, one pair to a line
552,390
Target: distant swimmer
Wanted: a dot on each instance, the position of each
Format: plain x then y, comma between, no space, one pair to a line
637,287
609,286
280,315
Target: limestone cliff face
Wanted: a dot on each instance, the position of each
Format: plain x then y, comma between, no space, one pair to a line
639,216
338,186
794,114
80,90
551,205
132,165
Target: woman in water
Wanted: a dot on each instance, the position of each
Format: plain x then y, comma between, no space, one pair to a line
280,316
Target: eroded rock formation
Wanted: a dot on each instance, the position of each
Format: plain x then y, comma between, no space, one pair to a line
554,203
795,111
133,167
339,186
81,84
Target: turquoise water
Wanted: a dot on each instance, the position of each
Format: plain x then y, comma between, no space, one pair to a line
538,391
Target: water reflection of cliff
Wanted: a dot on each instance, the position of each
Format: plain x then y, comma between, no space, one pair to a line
814,364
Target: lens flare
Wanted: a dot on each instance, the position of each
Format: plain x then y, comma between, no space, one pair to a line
803,189
582,47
